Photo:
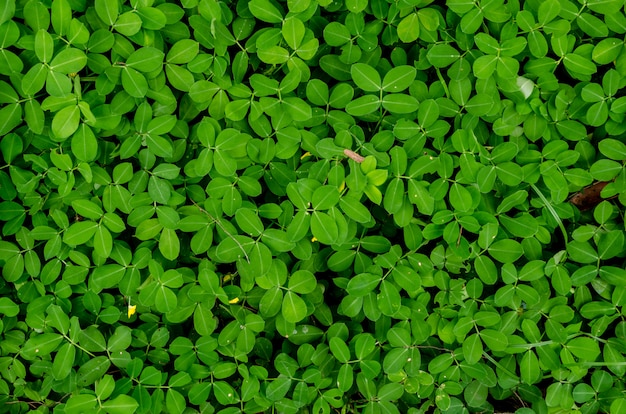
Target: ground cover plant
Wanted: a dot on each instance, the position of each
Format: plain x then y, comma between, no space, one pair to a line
312,206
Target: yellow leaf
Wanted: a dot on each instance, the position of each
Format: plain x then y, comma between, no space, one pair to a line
233,301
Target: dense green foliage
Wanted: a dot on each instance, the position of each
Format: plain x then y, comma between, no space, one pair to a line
312,206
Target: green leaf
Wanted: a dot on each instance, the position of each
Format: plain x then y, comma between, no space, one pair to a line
120,339
271,302
470,22
87,209
578,64
606,50
395,360
484,66
354,209
480,104
486,270
65,122
294,309
592,25
80,403
224,393
165,300
152,18
63,361
169,244
62,161
36,15
35,79
183,51
548,11
345,378
399,103
582,252
84,143
388,299
102,242
159,146
107,10
605,170
317,92
363,105
8,307
394,196
325,197
584,348
442,55
13,268
409,28
44,46
92,370
237,110
128,23
11,146
174,401
92,339
506,251
366,77
106,276
495,340
302,282
472,349
298,108
232,248
134,83
69,60
161,125
336,34
324,228
460,198
399,78
523,226
265,11
339,349
79,233
362,284
179,77
41,345
407,278
281,241
529,368
293,32
273,55
260,258
8,10
120,405
249,221
613,149
278,388
597,114
299,226
428,113
376,244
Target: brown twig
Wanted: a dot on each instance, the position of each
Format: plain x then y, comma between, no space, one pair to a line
353,155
